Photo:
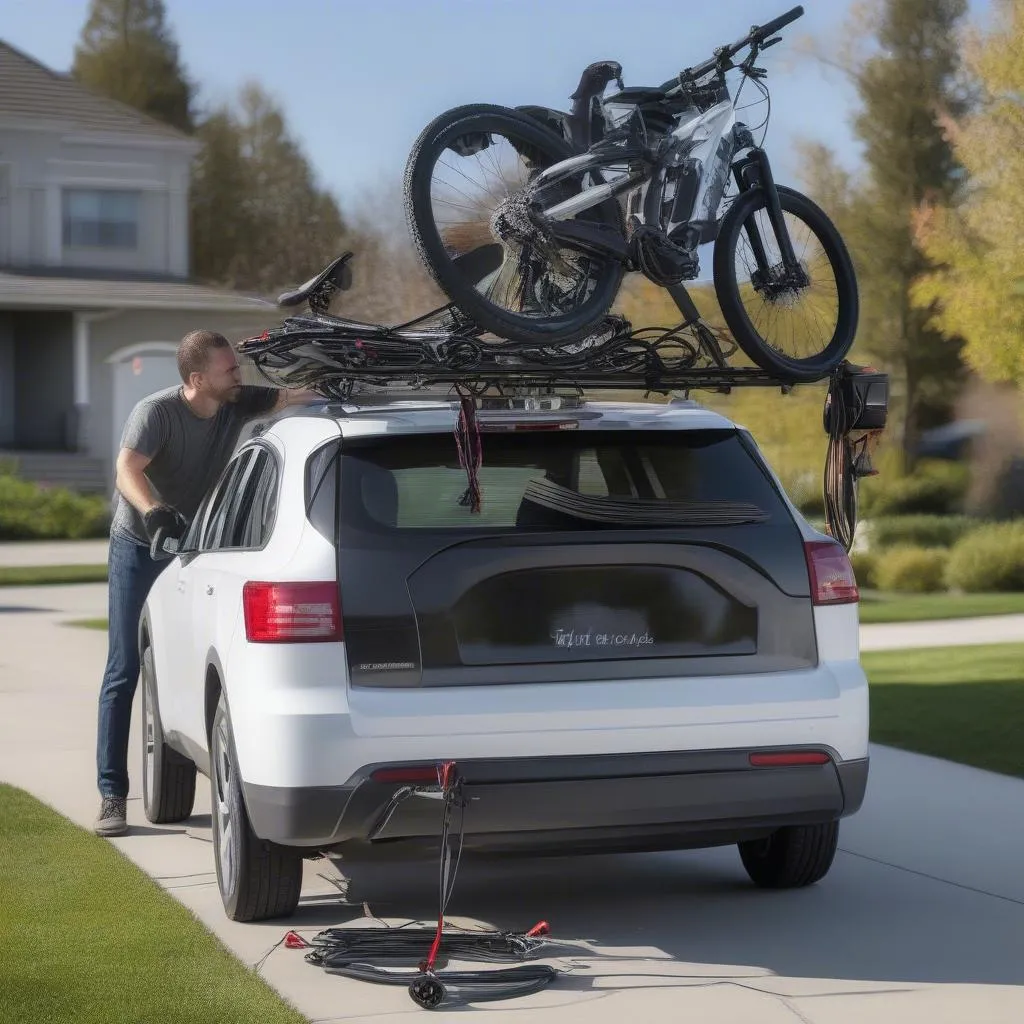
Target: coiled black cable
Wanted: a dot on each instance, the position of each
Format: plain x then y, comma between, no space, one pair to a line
370,954
843,408
406,946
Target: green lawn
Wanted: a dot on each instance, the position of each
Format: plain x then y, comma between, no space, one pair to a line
88,623
40,575
85,936
876,606
962,703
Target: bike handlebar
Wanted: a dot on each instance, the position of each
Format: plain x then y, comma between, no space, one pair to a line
763,31
757,34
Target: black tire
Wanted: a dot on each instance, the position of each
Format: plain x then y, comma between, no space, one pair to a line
549,148
265,879
727,288
792,857
168,778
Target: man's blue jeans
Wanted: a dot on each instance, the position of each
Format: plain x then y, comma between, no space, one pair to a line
130,574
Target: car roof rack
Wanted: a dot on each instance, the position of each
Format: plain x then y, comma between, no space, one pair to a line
444,349
495,400
445,354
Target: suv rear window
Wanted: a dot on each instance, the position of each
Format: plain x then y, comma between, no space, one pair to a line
583,479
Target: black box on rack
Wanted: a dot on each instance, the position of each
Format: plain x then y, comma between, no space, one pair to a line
867,396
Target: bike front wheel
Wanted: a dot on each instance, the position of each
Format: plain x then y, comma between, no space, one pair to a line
467,204
796,322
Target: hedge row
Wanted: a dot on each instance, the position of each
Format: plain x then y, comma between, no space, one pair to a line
31,512
989,558
923,531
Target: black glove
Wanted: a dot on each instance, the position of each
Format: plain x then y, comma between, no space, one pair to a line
163,522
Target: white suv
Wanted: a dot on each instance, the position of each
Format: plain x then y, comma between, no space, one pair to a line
636,643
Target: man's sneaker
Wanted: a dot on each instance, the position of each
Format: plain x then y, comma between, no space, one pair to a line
111,820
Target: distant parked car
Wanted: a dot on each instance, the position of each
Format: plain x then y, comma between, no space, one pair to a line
636,644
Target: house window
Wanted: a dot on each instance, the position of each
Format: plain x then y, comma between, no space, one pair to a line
101,219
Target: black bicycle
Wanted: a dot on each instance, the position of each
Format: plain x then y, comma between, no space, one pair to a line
528,218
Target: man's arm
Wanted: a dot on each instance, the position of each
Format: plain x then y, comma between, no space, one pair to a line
144,435
288,396
256,400
131,479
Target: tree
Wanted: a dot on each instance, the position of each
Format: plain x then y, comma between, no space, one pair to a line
218,231
977,287
259,220
902,56
128,53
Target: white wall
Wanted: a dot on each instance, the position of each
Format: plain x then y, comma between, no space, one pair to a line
44,162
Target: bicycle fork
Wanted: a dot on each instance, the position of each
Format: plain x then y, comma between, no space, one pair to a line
754,171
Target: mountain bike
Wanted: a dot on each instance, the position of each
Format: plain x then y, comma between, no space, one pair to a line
528,218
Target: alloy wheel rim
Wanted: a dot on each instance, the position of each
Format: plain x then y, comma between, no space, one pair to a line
222,810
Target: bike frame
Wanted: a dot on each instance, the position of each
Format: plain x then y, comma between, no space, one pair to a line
694,160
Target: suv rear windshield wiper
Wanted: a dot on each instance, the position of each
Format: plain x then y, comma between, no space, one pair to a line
640,511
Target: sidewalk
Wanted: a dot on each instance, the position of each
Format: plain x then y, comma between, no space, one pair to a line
992,629
53,552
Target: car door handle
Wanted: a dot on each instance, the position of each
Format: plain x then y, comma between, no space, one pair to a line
209,588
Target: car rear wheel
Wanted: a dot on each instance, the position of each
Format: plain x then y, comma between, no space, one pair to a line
257,879
792,857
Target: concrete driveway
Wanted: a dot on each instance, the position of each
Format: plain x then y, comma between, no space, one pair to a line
921,918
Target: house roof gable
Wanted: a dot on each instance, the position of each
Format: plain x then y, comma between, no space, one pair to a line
31,93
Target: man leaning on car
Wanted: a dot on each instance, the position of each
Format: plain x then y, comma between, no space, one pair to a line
174,447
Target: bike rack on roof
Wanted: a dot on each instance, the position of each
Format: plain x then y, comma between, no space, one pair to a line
340,357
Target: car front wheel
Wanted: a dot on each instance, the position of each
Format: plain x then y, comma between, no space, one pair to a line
791,857
168,778
257,879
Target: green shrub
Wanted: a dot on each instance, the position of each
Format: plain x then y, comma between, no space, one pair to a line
935,487
864,565
31,512
811,505
920,531
989,559
911,570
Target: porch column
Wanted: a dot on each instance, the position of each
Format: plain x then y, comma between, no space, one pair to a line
78,438
80,434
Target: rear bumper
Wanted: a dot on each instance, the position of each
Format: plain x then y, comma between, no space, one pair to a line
560,804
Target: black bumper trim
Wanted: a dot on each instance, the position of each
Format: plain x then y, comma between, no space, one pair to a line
635,801
853,777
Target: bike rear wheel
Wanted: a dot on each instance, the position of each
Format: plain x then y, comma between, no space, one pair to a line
464,184
795,323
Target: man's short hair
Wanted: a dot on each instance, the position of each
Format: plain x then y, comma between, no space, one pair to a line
194,351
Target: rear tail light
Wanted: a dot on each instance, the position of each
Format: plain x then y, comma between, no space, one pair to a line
832,578
291,612
788,758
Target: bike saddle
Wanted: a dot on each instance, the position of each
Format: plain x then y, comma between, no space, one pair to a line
336,276
595,77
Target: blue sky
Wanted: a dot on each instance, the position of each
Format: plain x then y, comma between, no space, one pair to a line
358,80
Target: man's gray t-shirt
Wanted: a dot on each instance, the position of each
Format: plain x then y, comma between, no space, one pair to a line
188,452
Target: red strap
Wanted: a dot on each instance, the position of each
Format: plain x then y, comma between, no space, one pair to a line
467,442
446,778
